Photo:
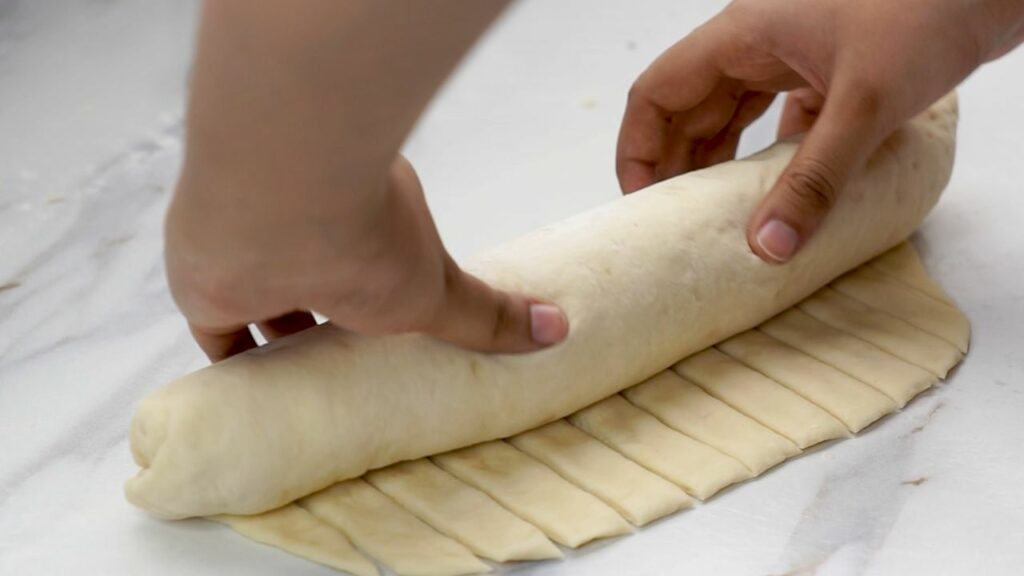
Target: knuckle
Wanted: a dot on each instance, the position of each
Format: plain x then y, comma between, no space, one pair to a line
212,296
503,322
813,187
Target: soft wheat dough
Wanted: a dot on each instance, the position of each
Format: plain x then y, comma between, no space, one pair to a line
389,533
595,453
567,514
889,333
683,405
462,512
760,398
295,530
903,265
854,403
639,495
645,280
896,378
698,468
878,290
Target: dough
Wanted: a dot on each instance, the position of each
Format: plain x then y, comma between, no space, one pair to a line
898,379
462,512
760,398
698,468
645,280
879,291
294,529
889,333
638,495
684,406
617,451
854,403
389,533
903,265
570,516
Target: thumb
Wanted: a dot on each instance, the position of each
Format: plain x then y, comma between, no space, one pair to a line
841,138
475,316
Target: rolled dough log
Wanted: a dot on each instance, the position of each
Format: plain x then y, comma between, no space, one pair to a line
645,280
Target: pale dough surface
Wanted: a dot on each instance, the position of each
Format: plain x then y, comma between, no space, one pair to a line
462,512
854,403
760,398
536,493
388,532
686,407
639,495
645,281
296,530
698,468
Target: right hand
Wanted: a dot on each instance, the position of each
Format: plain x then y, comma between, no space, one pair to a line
374,267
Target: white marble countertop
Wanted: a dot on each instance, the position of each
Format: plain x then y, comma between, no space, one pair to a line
90,109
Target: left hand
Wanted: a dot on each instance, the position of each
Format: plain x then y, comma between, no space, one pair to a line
854,72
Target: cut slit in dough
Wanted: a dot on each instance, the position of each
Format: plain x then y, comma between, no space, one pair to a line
683,405
936,317
698,468
462,512
638,494
389,533
295,530
888,374
760,398
883,330
854,403
567,514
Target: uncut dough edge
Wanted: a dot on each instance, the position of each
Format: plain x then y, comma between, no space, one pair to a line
253,433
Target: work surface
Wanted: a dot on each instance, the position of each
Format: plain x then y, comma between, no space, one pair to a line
90,139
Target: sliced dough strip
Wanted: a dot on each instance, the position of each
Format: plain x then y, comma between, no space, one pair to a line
888,374
760,398
462,512
298,532
534,492
638,494
877,290
698,468
903,265
684,406
853,402
389,533
887,332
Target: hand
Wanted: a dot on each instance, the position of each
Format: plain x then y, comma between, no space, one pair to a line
293,197
374,268
854,72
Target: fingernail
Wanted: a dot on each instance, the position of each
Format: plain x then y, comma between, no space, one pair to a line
778,240
547,324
